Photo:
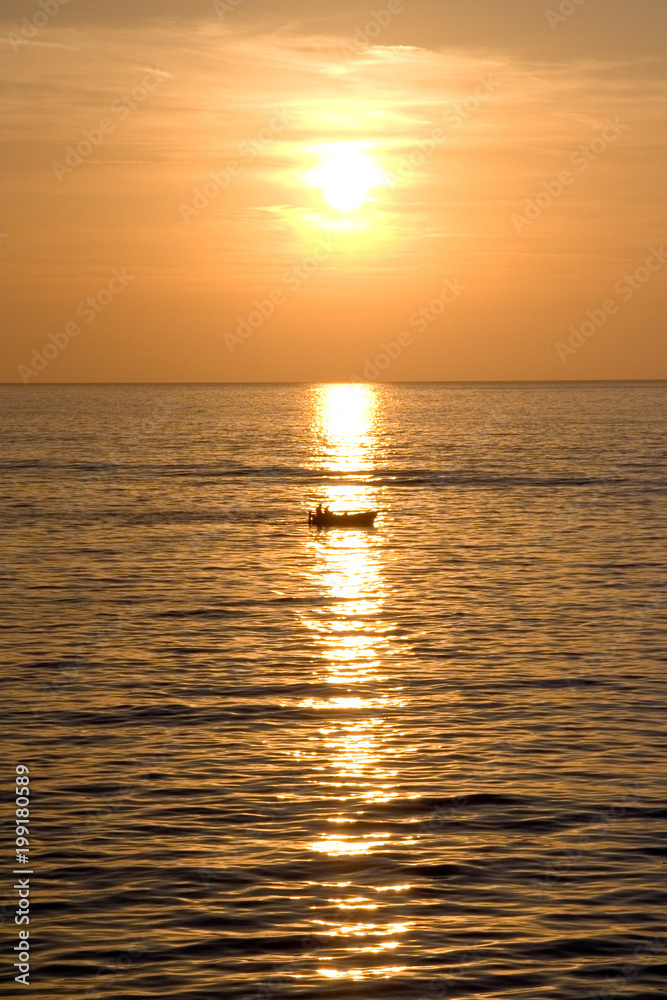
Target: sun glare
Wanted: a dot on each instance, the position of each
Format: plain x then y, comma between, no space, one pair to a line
346,179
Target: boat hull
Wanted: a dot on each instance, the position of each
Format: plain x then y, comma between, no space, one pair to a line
362,519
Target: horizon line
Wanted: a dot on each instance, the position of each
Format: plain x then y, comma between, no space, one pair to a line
525,381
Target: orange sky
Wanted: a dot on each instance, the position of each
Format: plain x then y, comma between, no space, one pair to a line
164,218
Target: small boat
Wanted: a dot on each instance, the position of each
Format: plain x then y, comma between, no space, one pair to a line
357,519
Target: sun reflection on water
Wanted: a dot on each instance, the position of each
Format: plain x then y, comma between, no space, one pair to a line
353,751
346,432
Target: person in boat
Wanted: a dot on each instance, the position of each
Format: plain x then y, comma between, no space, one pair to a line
318,510
326,512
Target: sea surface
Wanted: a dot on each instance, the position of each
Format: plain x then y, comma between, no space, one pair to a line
268,761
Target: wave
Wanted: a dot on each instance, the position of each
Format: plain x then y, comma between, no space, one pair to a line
375,475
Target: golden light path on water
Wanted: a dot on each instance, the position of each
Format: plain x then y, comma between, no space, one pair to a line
353,755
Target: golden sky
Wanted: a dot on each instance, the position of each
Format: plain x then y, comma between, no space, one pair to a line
249,191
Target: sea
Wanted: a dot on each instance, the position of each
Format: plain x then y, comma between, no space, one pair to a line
267,761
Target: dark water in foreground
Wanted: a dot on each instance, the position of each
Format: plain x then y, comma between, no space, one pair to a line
423,761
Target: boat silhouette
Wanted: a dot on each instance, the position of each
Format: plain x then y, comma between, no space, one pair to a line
344,519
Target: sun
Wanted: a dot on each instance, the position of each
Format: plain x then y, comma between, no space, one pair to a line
346,179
